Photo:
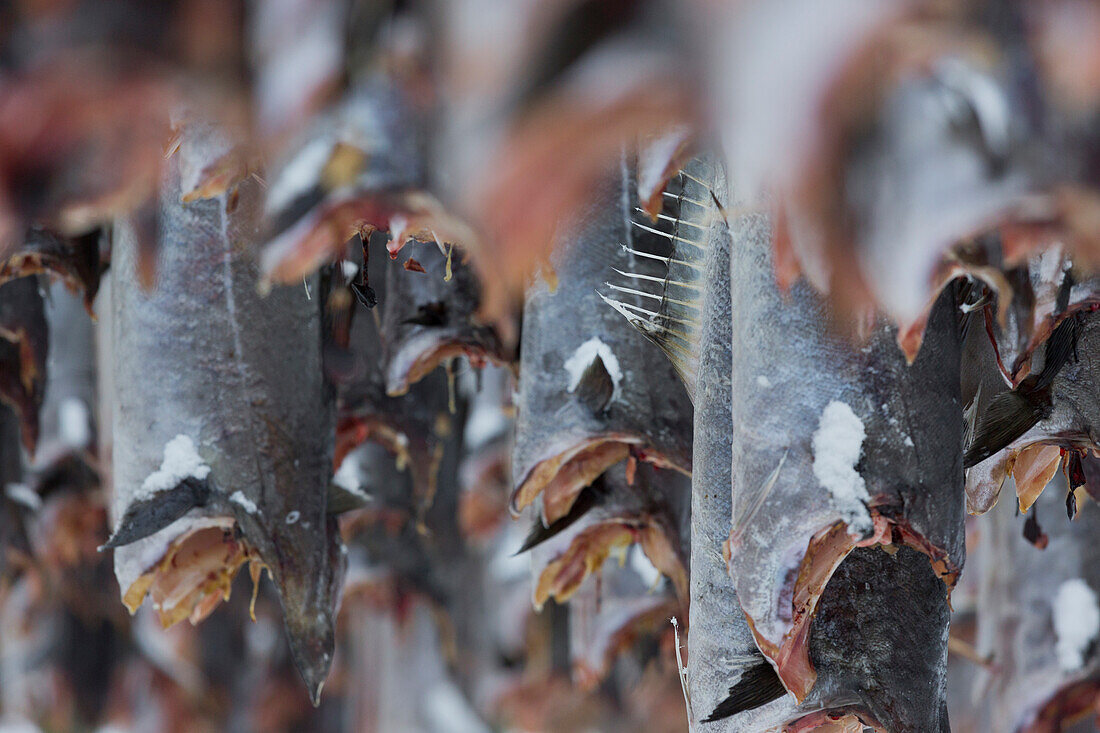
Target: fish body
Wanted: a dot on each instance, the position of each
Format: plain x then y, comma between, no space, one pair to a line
205,357
1036,617
837,446
574,422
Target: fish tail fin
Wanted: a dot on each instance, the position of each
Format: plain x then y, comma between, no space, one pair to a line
1007,417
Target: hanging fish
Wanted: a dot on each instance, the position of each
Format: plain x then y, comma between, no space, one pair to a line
24,345
838,447
592,391
223,424
1039,618
429,317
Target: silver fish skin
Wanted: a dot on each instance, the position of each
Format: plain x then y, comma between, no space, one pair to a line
565,436
1036,685
66,414
204,356
787,368
721,648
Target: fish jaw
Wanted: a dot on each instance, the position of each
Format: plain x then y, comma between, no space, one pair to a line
309,604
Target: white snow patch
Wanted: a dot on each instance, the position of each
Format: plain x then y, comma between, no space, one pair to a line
72,414
837,444
244,502
763,382
349,269
485,423
585,355
349,477
181,461
1076,622
650,575
25,495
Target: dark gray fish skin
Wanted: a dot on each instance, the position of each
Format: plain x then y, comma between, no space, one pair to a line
13,530
786,369
428,317
881,633
244,384
649,410
24,349
1016,608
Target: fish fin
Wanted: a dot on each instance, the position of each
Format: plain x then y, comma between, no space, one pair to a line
595,388
759,685
341,501
588,498
1008,416
151,515
672,320
1061,346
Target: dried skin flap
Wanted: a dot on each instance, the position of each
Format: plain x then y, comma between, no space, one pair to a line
194,574
588,550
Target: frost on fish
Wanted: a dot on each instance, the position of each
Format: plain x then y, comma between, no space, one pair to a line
837,444
247,393
1038,617
593,391
899,436
1076,622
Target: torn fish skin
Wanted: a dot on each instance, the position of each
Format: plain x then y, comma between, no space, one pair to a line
204,356
789,531
649,509
561,442
1047,672
429,317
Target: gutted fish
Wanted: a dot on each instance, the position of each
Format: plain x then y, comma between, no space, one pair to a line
223,424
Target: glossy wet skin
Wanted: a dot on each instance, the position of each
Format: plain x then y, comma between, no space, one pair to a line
203,355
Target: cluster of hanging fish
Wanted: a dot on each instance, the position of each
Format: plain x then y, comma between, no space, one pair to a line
497,335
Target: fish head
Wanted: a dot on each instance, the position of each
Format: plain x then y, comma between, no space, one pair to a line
309,602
